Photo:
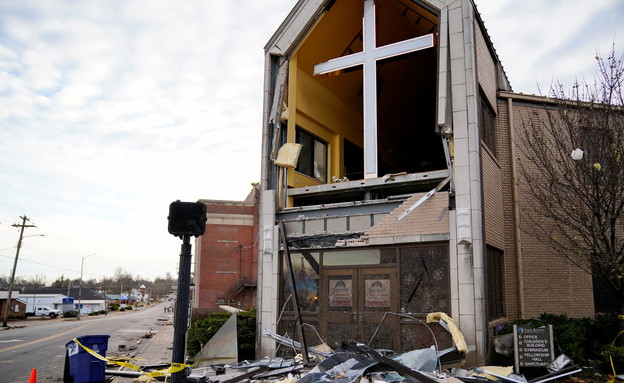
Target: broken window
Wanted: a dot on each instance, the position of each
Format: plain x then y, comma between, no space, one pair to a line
425,279
313,156
495,283
401,135
305,268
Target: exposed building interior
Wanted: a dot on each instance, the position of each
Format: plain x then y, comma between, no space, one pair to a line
325,112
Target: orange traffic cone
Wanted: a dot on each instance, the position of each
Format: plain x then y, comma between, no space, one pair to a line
33,376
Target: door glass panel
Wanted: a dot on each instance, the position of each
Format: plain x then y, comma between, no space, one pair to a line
305,268
377,292
341,293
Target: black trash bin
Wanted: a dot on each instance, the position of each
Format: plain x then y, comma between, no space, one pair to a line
80,365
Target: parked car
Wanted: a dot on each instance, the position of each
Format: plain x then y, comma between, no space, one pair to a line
45,312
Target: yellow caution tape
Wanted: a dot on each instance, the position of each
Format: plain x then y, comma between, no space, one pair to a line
173,367
610,358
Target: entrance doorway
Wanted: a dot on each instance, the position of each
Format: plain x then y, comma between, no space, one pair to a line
345,293
357,299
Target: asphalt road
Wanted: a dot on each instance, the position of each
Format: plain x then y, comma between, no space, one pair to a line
40,343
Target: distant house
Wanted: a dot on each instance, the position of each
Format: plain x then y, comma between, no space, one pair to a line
85,300
17,306
143,295
120,299
139,295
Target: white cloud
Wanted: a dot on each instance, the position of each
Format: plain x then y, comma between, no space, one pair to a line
112,110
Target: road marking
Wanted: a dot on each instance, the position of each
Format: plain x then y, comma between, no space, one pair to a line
44,339
10,341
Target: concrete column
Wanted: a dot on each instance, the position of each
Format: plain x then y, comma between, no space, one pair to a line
268,292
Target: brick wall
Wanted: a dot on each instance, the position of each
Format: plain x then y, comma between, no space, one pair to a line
226,257
550,283
510,280
493,201
486,68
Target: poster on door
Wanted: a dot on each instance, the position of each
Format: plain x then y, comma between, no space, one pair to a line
340,292
377,293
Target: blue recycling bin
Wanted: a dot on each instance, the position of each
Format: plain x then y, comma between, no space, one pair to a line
80,365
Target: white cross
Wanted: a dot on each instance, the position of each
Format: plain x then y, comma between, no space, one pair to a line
368,58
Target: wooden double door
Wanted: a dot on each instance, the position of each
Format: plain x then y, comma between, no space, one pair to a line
355,301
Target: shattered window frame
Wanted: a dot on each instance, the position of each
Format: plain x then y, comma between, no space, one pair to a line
307,280
422,267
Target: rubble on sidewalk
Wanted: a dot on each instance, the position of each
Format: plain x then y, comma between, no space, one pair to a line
353,362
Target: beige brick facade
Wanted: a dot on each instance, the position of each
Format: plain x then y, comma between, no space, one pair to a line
493,201
548,282
486,67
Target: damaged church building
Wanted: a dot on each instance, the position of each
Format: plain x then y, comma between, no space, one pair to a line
389,188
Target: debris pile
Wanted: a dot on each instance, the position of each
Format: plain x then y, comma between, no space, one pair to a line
355,362
352,362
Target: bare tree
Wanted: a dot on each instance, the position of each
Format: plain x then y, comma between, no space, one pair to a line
35,282
124,279
60,282
574,174
163,286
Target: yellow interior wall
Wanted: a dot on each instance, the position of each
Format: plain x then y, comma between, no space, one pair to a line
320,112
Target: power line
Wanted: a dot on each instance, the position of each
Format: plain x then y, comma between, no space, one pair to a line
42,264
90,274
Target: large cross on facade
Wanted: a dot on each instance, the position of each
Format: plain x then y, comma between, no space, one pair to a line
368,59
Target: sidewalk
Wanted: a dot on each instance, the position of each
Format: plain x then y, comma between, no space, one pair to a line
159,348
155,350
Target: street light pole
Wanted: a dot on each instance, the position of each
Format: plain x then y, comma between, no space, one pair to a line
80,288
5,314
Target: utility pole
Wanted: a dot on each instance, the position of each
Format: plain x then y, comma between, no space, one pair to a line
5,314
80,287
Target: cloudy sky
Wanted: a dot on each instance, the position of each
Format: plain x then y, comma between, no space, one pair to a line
112,109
